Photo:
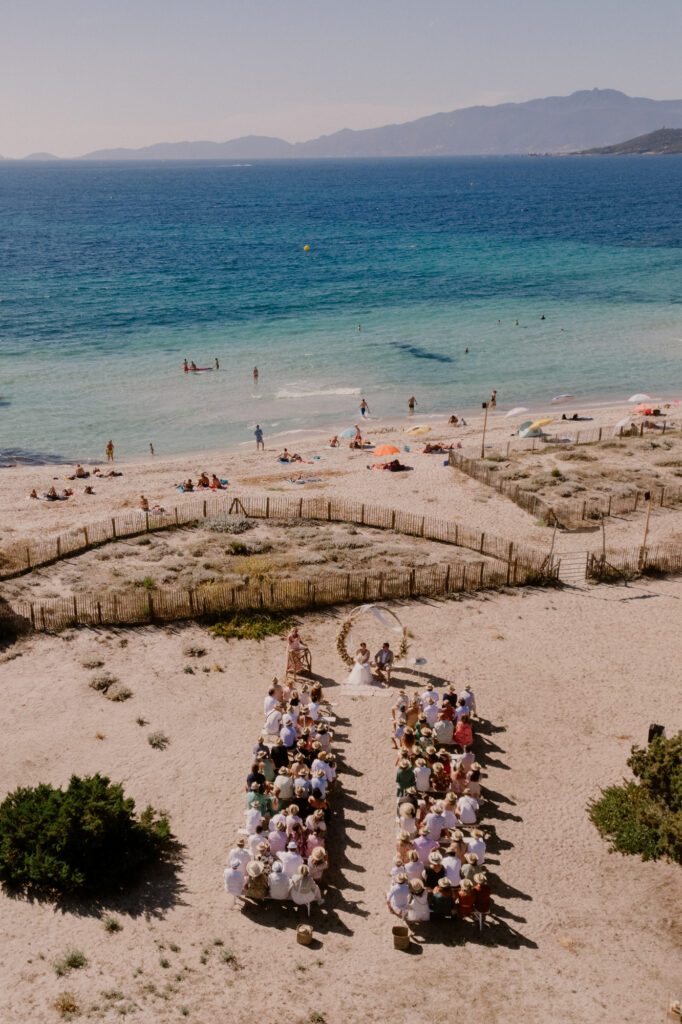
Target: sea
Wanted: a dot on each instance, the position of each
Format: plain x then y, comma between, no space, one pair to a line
339,280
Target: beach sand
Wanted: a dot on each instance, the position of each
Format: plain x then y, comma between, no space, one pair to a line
568,680
568,683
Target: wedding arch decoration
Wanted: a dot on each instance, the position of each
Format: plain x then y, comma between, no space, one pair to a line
387,618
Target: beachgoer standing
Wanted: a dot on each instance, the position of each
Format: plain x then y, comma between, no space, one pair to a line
364,408
217,364
258,434
151,449
411,402
493,400
110,451
255,373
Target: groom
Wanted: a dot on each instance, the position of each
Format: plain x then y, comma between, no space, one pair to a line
383,661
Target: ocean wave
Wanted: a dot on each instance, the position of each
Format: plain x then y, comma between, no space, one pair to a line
294,392
19,457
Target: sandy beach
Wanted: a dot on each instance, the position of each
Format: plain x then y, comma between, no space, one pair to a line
566,681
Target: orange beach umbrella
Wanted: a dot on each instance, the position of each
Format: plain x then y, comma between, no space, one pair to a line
386,449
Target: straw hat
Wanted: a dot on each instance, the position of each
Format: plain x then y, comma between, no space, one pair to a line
254,868
435,857
471,858
481,878
444,883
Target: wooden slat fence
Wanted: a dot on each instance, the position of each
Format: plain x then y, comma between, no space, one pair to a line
22,557
659,558
565,513
166,604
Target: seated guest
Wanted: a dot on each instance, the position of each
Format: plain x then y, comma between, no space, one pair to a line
443,730
318,863
467,695
466,898
442,901
278,882
473,778
434,871
481,893
278,838
405,776
398,896
464,735
304,889
233,879
413,866
476,844
418,906
452,865
467,809
290,859
257,881
470,866
239,853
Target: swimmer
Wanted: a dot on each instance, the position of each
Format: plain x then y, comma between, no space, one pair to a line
255,373
411,402
364,408
151,449
466,350
493,400
185,365
217,364
110,451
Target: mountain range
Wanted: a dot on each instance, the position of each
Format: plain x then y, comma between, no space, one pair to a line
665,140
556,124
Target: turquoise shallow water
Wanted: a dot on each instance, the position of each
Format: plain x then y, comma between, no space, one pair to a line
112,274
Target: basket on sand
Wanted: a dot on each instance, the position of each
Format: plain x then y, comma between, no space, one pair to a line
304,934
401,936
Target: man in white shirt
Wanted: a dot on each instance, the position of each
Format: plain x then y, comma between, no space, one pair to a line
434,822
431,711
422,776
443,732
233,879
428,694
452,865
253,818
398,896
467,695
320,764
238,853
270,702
290,860
283,786
278,882
467,809
273,721
476,844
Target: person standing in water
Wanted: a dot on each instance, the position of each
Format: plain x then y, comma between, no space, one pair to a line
258,434
151,449
110,451
364,408
185,366
217,364
255,374
493,400
411,402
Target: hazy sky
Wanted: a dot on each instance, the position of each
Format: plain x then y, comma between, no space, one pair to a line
77,75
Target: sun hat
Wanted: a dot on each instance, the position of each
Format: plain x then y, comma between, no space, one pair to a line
291,846
444,883
254,868
435,857
277,867
481,878
471,858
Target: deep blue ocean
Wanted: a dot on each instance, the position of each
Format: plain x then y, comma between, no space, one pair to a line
111,274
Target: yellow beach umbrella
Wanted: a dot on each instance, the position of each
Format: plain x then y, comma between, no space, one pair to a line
538,424
418,431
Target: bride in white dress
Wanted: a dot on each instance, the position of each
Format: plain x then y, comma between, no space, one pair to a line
361,673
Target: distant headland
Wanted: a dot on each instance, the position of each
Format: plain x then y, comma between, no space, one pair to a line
658,143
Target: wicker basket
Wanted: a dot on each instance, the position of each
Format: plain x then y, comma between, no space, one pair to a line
401,936
304,934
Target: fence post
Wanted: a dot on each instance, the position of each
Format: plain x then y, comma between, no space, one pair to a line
362,516
33,616
347,585
412,579
634,507
421,533
177,522
146,521
364,588
456,535
608,511
584,509
75,607
509,561
85,534
480,582
28,558
599,438
393,520
620,433
482,543
446,585
113,526
150,604
300,508
190,596
329,511
99,613
641,429
59,546
516,570
507,449
662,493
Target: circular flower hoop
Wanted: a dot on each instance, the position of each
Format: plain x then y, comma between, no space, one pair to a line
347,625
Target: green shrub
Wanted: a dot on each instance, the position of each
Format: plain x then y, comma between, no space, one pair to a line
645,818
103,682
228,524
66,1006
71,961
119,693
158,740
237,547
111,925
148,583
251,626
84,840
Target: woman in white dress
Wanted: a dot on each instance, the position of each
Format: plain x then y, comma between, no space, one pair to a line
361,672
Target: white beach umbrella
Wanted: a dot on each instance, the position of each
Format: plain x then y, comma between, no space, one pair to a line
516,411
562,398
639,397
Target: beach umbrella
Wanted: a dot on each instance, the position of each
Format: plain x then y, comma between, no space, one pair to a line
533,428
348,433
418,431
639,398
516,411
540,423
562,398
386,449
644,409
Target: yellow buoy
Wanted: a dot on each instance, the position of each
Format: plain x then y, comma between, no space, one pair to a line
306,248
